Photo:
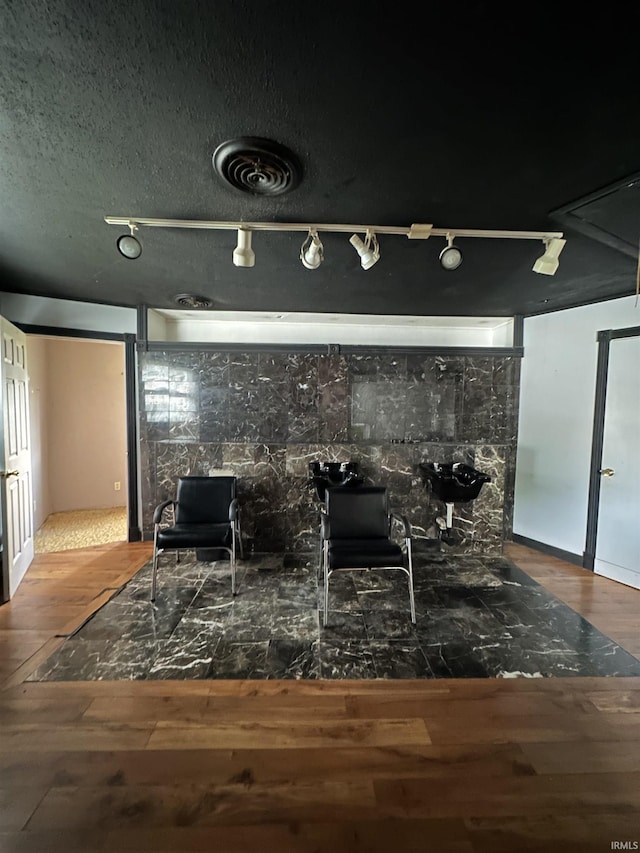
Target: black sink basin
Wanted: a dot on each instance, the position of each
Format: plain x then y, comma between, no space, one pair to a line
453,482
327,474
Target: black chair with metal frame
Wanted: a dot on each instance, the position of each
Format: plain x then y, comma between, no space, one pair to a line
356,536
205,515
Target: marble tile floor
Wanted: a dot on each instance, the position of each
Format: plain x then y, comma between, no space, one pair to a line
476,617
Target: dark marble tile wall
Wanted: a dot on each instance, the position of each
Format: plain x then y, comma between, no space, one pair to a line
264,416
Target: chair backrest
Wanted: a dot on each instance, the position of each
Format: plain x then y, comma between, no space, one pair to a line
204,500
361,513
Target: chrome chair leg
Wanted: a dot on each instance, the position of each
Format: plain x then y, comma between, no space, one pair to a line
325,574
410,573
233,562
238,533
155,565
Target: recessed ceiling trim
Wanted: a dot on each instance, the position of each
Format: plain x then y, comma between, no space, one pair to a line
573,215
333,319
343,329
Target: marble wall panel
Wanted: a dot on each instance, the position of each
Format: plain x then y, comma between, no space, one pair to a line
182,459
154,399
239,458
362,368
426,368
490,458
487,533
266,415
153,366
299,456
270,461
273,423
334,400
478,370
390,408
506,371
509,489
213,368
394,467
304,414
364,403
184,426
214,413
148,477
154,425
445,453
392,368
463,529
431,412
263,523
272,367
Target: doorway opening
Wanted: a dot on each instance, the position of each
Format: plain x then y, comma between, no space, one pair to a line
613,537
79,442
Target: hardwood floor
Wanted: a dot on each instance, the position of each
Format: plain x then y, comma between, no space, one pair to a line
463,765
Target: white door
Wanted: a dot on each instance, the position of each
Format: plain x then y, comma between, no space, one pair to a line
17,506
618,537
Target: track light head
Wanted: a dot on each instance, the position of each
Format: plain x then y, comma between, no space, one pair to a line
548,263
369,251
312,251
243,254
451,256
128,244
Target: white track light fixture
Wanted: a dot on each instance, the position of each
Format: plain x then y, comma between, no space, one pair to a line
243,254
128,244
548,263
312,251
369,251
450,256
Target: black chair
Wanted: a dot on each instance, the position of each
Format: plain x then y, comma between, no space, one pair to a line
356,536
205,515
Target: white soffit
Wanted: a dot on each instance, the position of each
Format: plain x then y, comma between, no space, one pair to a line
67,313
303,327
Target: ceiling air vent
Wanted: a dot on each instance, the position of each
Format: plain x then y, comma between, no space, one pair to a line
257,166
191,300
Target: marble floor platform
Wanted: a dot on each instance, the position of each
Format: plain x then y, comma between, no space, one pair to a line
476,617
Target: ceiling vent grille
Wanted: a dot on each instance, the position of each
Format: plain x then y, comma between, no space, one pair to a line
191,300
257,166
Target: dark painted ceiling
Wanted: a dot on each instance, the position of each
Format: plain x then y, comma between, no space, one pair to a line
400,113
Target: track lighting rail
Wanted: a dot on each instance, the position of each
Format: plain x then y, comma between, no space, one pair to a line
418,231
312,250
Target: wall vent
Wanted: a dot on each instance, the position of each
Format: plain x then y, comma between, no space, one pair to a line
192,300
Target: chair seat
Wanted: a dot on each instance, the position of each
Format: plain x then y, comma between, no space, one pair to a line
195,536
364,554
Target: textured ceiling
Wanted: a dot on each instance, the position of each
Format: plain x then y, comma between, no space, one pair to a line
398,116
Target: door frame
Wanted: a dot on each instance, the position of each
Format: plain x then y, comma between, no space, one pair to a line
604,338
6,557
134,533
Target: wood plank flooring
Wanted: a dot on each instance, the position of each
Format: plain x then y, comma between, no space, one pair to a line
469,765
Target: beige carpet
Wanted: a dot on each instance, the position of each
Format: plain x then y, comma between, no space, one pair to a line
81,529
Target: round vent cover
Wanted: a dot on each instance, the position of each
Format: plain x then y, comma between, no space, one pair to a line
257,166
191,300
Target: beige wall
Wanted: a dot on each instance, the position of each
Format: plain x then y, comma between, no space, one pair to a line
38,403
78,424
